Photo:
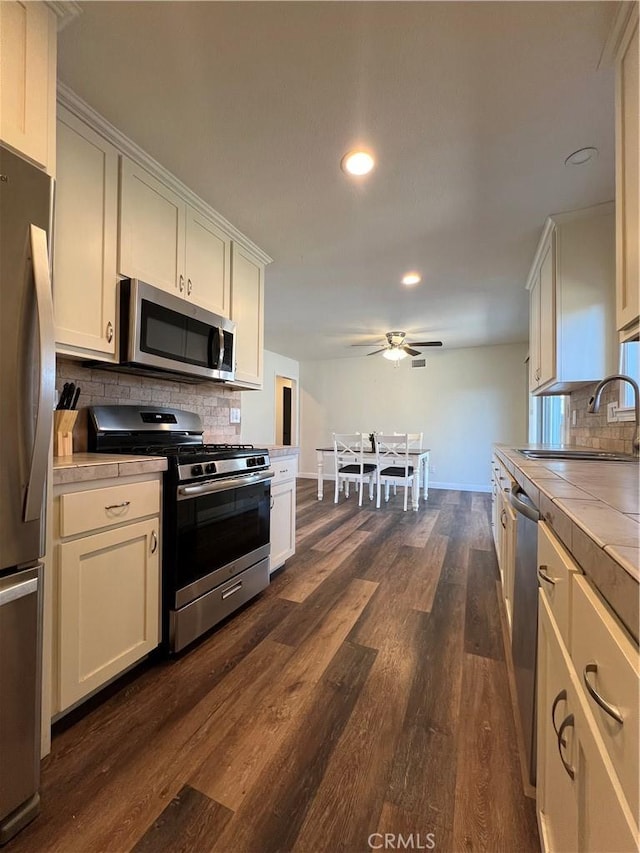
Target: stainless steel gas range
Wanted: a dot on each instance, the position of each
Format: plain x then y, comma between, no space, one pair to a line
216,513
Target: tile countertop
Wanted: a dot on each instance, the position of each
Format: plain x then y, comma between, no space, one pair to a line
82,467
276,450
593,507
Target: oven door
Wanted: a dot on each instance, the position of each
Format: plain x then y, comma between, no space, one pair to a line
222,528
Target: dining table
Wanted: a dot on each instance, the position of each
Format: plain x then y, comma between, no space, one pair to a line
420,463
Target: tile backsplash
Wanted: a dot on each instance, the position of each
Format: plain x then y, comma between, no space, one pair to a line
105,387
593,430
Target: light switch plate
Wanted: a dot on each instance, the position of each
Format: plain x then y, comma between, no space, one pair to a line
234,416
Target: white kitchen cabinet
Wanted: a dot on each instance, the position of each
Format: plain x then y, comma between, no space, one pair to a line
106,583
627,147
167,243
283,510
28,73
247,310
571,284
582,789
504,522
85,247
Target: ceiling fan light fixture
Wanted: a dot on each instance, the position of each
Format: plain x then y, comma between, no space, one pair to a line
395,354
357,163
411,278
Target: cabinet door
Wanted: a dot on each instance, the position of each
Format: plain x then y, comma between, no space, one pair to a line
84,283
547,354
247,309
283,523
152,228
534,335
108,592
627,221
208,261
508,557
556,792
28,72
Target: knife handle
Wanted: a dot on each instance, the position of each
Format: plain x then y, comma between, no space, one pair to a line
74,402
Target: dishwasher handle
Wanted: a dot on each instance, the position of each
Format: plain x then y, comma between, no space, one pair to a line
529,511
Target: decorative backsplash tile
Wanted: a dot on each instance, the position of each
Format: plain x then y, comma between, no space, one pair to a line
593,430
105,387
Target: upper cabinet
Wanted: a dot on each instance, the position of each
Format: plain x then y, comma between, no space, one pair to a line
167,243
247,310
627,147
85,248
571,284
28,73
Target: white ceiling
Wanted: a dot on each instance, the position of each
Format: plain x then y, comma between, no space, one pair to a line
470,108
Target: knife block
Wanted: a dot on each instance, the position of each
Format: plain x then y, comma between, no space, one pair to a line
63,423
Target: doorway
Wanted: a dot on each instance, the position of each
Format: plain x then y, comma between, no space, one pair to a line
286,411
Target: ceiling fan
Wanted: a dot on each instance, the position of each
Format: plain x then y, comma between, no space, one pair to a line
397,347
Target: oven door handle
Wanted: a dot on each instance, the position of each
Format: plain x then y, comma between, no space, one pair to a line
224,485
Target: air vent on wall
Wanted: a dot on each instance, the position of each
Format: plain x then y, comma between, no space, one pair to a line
419,362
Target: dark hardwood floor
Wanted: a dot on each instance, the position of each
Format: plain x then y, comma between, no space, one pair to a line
365,692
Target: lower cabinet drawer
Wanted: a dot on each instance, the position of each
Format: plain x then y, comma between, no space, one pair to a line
555,570
607,665
81,512
284,469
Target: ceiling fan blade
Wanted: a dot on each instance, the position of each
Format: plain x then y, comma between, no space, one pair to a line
410,351
377,351
373,344
425,343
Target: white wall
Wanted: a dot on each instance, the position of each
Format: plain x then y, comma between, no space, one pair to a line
258,407
463,401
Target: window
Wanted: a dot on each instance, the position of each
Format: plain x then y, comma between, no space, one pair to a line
548,419
630,366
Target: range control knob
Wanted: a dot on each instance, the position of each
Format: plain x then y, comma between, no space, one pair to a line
196,470
210,468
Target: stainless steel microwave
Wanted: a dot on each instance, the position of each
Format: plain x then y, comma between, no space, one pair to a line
161,334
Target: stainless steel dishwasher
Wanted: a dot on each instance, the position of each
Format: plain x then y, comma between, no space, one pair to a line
524,636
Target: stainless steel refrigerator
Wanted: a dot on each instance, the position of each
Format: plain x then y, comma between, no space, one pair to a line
27,381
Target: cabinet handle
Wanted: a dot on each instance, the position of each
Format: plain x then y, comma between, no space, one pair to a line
542,574
272,503
568,721
607,707
118,506
503,515
561,697
189,287
154,542
109,332
181,284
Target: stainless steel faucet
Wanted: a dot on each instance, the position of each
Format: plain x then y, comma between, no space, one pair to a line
594,403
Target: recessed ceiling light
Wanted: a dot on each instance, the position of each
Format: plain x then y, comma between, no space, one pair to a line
357,163
411,278
581,156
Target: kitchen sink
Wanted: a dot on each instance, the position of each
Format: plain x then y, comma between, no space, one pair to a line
582,455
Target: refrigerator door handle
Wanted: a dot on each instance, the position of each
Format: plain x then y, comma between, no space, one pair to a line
46,390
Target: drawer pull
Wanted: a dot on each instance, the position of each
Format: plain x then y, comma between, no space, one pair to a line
607,707
229,592
154,542
503,515
568,721
561,697
118,506
542,574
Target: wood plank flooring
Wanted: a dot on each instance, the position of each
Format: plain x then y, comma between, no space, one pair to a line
364,692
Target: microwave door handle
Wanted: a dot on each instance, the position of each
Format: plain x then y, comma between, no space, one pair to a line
46,389
221,353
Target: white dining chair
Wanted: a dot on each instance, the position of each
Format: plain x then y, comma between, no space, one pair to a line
350,467
394,465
